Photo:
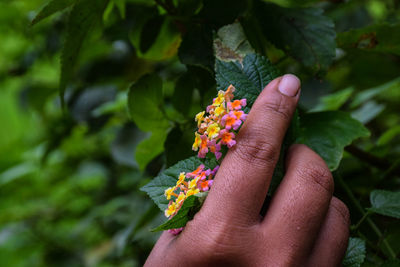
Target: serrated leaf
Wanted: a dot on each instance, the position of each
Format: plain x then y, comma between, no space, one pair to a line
145,102
385,203
189,208
84,15
304,33
52,7
155,189
355,253
327,133
249,77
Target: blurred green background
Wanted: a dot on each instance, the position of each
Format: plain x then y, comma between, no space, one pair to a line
70,178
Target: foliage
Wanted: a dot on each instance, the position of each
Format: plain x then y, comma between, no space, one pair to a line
132,75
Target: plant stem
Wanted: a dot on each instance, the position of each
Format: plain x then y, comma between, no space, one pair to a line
355,227
378,162
369,221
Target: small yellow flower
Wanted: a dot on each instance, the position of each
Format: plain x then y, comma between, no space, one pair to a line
180,198
193,183
197,142
181,179
219,111
213,130
199,117
193,191
219,99
171,209
170,192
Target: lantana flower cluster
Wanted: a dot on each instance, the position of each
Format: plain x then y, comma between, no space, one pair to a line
217,125
188,184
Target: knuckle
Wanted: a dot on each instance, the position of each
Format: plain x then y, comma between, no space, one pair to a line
221,238
318,175
342,210
256,150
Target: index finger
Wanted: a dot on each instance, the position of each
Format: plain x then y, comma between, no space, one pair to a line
242,181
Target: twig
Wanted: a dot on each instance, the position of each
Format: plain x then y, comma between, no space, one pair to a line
378,162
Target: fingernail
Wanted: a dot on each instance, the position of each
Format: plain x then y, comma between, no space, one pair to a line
289,85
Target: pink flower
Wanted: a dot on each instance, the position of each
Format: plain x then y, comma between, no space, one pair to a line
203,147
214,171
227,138
231,121
196,172
237,104
204,185
215,148
240,115
176,231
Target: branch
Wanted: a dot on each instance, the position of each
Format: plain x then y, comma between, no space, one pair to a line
378,162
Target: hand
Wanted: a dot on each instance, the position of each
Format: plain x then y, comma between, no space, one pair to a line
304,224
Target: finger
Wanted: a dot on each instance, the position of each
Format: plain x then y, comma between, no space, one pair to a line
300,203
160,249
331,243
242,181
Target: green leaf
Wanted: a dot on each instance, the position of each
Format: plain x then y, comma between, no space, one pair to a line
178,145
334,101
183,93
155,189
368,111
158,44
385,203
197,47
249,77
388,136
151,147
327,133
231,43
189,208
391,263
145,103
150,32
189,7
52,7
375,38
145,106
304,33
385,89
222,12
84,16
120,4
355,253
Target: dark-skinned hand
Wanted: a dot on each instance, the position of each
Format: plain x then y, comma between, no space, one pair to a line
304,225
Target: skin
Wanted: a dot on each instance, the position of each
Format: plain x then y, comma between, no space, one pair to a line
304,224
